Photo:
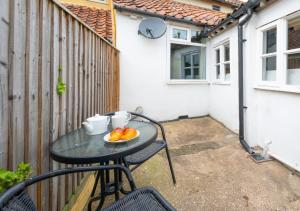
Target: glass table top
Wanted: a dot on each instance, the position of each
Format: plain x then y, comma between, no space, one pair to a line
79,148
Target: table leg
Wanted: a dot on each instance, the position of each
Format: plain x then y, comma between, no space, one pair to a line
102,191
107,173
121,179
95,184
116,178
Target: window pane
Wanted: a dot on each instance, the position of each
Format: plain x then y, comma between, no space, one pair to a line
218,56
196,58
185,59
196,73
196,37
294,33
180,34
227,52
188,73
227,72
216,7
218,72
293,73
269,69
270,41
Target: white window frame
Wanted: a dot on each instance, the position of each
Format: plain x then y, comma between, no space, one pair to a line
222,63
192,63
280,84
263,55
287,52
172,40
188,36
218,64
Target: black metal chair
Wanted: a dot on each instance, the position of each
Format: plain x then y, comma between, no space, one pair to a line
17,199
140,157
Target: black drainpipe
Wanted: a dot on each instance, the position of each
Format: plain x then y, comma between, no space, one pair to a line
241,41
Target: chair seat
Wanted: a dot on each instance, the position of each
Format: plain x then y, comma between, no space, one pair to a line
144,199
146,153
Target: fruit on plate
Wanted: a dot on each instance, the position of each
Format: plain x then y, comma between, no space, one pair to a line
122,134
115,135
128,134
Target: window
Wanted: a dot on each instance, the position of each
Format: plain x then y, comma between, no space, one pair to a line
293,51
227,61
187,62
222,62
179,34
218,64
187,55
269,55
216,7
280,52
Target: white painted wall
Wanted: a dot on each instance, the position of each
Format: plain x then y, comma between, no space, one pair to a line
271,115
223,96
143,70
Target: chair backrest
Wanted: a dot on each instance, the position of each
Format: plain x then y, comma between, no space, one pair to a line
20,202
17,199
154,122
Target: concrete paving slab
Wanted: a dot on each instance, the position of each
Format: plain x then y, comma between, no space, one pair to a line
214,173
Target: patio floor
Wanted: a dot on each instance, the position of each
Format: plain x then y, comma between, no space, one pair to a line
214,173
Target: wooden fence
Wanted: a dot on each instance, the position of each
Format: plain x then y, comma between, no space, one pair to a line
37,37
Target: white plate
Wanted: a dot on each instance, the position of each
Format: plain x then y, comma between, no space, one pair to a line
106,138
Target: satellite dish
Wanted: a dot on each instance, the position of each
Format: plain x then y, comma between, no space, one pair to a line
152,28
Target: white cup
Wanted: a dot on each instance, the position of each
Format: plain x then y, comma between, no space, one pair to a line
120,119
124,113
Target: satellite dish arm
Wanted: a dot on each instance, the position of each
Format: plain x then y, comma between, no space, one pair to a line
149,31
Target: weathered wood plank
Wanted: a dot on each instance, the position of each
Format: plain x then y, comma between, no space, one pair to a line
31,90
54,106
16,82
38,36
44,98
62,100
75,90
4,37
69,92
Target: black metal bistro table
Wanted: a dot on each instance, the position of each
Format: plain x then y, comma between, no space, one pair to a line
79,148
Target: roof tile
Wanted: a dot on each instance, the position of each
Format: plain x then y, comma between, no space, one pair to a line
175,9
98,19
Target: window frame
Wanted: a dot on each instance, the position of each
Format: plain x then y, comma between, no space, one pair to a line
192,64
222,63
263,55
287,52
282,52
187,42
214,7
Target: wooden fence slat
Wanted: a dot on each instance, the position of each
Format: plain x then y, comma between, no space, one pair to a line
69,103
44,97
4,37
76,62
54,110
16,82
31,91
37,37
